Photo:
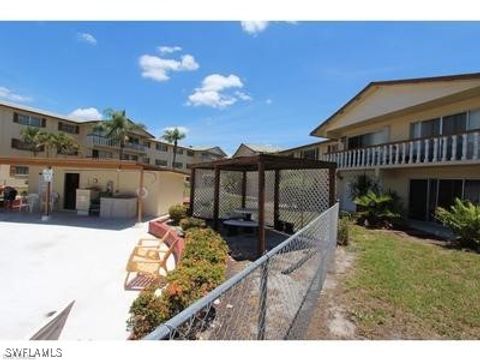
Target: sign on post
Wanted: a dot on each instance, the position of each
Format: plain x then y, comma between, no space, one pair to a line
47,175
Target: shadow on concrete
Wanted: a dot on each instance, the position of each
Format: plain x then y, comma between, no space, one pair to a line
69,219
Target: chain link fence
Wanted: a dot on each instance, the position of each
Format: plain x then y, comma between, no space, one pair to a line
273,298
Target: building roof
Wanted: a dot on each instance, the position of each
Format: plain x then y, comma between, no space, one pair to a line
300,147
366,89
45,112
85,163
261,148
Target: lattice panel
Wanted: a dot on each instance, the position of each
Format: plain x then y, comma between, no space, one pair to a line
230,193
303,195
204,188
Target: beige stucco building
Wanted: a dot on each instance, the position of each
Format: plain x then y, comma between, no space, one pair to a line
97,162
418,137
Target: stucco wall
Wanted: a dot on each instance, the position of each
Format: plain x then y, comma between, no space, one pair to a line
163,188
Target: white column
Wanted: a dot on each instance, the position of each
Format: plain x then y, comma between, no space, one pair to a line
362,162
444,149
427,145
390,154
410,150
397,154
384,157
475,145
464,146
435,150
454,148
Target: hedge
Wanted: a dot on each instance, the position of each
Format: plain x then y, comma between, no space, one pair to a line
201,269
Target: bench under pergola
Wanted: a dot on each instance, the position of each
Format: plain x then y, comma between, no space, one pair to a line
284,190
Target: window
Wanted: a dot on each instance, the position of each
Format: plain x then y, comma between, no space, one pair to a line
159,162
373,138
189,166
332,148
472,191
190,153
423,129
146,160
161,147
29,120
474,120
130,157
20,145
146,144
454,124
18,171
69,128
178,165
100,154
310,154
179,151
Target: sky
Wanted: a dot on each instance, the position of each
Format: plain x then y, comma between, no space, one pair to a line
224,83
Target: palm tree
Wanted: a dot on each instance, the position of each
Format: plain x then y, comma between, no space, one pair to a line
118,127
173,136
30,136
48,141
64,144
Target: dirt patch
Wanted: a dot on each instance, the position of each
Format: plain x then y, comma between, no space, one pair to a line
331,320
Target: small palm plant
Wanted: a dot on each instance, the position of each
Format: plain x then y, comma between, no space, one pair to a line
375,210
463,218
118,127
173,136
30,136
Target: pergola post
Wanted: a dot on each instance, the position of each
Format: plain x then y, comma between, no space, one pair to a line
244,188
261,244
331,186
216,195
140,195
192,192
276,200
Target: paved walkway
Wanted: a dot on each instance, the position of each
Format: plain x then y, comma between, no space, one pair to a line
45,265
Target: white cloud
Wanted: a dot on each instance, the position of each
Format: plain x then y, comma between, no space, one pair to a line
268,101
87,38
254,27
158,68
90,113
168,49
181,128
212,93
7,94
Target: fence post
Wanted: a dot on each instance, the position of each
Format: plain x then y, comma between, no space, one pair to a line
262,316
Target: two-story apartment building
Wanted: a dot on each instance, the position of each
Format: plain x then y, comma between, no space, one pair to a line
418,137
142,146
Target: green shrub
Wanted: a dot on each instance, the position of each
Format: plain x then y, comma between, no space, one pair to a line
463,218
200,270
362,185
376,210
343,231
190,222
177,213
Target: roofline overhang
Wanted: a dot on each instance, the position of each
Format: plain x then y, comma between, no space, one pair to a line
358,96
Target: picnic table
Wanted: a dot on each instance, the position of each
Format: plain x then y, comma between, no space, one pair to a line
247,212
239,223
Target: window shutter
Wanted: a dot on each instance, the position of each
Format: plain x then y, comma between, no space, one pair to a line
15,117
44,122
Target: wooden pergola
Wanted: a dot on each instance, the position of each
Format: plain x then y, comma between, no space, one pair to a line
259,163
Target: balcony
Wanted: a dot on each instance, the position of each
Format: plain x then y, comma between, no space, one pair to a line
98,140
458,149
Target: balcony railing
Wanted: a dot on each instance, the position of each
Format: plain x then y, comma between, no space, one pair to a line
106,142
451,149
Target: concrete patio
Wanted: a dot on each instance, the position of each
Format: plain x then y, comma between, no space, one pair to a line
46,265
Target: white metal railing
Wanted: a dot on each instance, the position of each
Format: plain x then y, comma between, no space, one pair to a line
104,141
456,148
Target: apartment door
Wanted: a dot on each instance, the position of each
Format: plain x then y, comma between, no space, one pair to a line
418,199
448,190
72,182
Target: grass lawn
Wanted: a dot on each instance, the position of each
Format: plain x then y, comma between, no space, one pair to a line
403,287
